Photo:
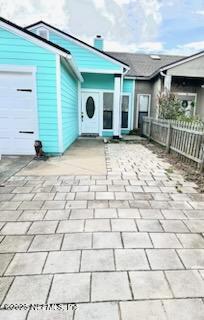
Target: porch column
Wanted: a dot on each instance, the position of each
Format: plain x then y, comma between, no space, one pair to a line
116,106
167,82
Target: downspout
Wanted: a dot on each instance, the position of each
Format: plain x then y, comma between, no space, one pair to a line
163,74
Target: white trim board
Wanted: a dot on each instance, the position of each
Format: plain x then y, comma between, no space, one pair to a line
96,90
69,64
79,42
79,106
59,104
133,107
102,71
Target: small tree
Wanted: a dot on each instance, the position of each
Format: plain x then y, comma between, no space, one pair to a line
169,106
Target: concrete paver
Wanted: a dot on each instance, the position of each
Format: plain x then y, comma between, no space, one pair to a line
104,238
149,285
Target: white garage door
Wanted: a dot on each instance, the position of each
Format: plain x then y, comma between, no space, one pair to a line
18,121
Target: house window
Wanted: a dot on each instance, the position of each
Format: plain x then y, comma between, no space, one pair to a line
43,33
188,102
90,107
143,104
125,112
107,110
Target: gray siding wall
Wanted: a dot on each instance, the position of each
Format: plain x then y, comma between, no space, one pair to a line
156,90
193,68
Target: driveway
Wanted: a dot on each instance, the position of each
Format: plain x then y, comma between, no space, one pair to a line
124,245
84,157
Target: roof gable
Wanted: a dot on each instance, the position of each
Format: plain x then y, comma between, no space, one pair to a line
79,42
183,60
33,37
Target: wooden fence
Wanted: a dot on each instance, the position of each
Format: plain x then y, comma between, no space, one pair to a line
183,138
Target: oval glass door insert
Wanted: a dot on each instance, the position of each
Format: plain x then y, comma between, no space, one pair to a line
90,107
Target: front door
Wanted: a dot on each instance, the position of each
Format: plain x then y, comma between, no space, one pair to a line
90,113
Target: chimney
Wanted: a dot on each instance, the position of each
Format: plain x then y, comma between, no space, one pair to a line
98,42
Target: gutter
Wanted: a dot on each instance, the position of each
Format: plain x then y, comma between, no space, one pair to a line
73,66
162,73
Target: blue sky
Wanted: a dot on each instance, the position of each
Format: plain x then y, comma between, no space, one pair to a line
160,26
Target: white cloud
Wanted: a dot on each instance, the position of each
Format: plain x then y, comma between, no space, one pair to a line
29,11
197,45
187,49
200,12
126,25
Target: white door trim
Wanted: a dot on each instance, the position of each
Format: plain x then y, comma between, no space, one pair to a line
100,91
79,106
90,91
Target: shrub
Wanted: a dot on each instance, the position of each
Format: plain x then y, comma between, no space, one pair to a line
169,106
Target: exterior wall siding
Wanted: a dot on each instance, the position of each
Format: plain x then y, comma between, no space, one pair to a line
98,81
18,51
69,100
128,85
84,58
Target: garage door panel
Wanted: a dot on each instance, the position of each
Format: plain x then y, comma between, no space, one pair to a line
17,113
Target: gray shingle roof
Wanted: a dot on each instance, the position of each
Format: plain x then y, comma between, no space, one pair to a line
142,65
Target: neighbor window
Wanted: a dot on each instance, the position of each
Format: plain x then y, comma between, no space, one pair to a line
144,100
143,107
125,112
108,110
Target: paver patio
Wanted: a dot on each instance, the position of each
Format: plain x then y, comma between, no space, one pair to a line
122,246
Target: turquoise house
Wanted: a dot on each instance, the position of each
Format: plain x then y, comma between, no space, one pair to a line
55,87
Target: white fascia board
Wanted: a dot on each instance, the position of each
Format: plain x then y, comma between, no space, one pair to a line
32,39
74,67
102,71
83,45
130,78
183,61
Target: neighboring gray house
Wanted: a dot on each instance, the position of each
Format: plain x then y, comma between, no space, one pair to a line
154,73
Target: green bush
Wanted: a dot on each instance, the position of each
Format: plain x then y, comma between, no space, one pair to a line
170,107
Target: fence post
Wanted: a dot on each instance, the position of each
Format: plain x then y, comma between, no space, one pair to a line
202,158
149,133
168,139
